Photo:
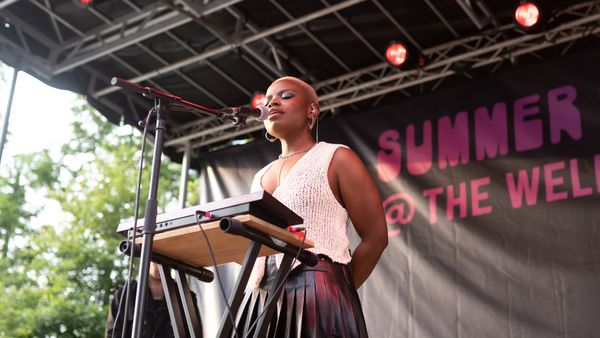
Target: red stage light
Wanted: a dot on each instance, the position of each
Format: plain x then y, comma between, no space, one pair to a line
86,2
258,100
527,14
396,54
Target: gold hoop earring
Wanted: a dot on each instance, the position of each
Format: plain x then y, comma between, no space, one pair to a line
270,139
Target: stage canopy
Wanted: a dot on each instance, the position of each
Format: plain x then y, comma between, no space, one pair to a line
220,53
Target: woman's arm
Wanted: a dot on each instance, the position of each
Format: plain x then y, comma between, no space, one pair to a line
357,192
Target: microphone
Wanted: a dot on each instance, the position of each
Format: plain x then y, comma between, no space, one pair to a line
260,113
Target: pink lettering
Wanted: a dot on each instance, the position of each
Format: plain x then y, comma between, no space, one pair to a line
563,113
528,132
478,196
399,209
491,132
578,191
418,158
432,194
523,186
453,140
460,201
388,164
551,182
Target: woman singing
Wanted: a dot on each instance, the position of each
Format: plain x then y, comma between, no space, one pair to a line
327,185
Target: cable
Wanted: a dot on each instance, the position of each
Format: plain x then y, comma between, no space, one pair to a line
214,262
116,318
134,230
278,287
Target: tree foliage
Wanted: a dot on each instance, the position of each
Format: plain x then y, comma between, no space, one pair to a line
58,277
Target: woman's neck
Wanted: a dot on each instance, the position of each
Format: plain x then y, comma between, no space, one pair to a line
294,145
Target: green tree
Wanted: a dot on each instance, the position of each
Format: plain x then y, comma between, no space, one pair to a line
59,279
34,171
13,217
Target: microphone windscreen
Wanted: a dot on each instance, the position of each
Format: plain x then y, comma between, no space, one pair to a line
264,113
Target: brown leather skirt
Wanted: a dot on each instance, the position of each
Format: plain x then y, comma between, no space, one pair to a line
319,301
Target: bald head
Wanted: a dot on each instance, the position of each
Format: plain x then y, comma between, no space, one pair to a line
310,92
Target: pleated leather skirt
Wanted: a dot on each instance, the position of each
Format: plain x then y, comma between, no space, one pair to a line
319,301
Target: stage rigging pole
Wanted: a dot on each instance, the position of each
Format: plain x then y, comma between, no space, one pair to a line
7,115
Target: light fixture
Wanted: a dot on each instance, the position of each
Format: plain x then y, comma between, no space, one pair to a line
257,100
527,14
396,53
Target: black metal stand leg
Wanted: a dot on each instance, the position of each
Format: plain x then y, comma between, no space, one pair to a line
263,324
172,301
149,221
189,308
236,297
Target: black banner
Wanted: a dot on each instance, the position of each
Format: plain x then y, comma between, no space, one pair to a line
491,192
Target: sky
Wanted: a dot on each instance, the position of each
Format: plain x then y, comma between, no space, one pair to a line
40,119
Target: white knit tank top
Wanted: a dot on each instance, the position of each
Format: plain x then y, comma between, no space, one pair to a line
306,191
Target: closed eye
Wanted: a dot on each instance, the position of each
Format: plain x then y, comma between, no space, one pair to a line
286,95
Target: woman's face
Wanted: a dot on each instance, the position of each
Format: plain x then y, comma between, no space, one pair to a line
289,107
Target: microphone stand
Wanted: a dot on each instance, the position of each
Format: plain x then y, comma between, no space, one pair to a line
149,228
163,104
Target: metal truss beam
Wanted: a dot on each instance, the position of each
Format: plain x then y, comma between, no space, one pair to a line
18,53
225,48
163,23
114,28
7,3
21,24
156,22
445,60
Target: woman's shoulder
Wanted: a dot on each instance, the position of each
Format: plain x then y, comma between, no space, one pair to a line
343,157
336,148
327,152
332,148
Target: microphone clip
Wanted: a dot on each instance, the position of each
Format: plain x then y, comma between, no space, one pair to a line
232,114
239,115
